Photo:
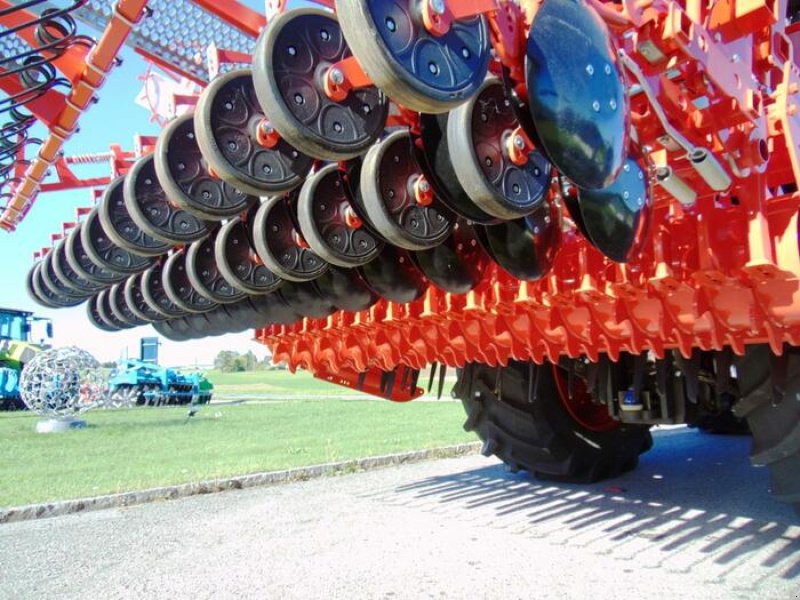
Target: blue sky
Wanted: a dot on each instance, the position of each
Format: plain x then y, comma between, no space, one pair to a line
115,119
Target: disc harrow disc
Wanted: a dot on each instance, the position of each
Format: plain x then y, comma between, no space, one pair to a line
274,309
156,296
105,253
289,65
479,133
394,276
326,218
134,299
95,316
307,299
151,209
83,265
53,283
347,289
238,262
119,306
389,176
576,93
278,242
106,313
240,316
68,275
169,330
616,218
434,159
120,227
525,247
457,265
205,276
422,71
227,122
178,287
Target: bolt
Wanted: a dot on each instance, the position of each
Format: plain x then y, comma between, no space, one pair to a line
267,128
607,69
424,186
596,106
437,6
337,77
519,142
612,104
589,70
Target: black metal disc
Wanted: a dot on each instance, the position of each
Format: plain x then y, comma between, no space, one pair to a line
119,306
95,317
525,247
274,309
307,299
226,121
32,276
152,210
200,326
322,215
83,265
156,296
68,275
240,315
105,253
106,313
205,276
576,93
50,298
457,265
347,289
289,62
53,283
134,299
238,262
178,287
616,218
394,276
120,226
434,159
168,330
478,134
217,321
387,180
425,72
276,236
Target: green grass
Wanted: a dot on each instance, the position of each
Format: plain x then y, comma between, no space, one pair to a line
140,448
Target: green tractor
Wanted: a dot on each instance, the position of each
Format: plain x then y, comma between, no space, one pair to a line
16,349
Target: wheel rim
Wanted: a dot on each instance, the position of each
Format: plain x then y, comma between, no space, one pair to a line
291,55
119,306
277,240
68,275
105,253
457,265
205,276
156,296
151,210
178,287
525,247
227,119
616,218
120,227
579,405
577,97
53,284
33,275
50,298
479,134
93,313
238,262
388,178
134,298
425,72
322,212
83,265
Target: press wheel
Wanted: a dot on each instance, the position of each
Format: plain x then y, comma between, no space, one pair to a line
106,313
394,276
134,299
278,242
205,276
389,177
480,134
178,287
227,121
105,253
422,71
156,296
83,265
152,210
68,275
95,317
329,222
53,283
119,306
457,265
289,65
238,261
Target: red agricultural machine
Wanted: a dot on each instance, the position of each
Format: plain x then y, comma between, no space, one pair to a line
587,207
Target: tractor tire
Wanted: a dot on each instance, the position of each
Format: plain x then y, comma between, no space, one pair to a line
527,426
773,420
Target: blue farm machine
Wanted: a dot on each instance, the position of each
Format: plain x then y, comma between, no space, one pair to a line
136,382
16,349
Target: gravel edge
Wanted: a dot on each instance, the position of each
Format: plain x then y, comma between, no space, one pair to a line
65,507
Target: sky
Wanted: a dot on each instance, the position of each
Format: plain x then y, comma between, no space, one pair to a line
115,119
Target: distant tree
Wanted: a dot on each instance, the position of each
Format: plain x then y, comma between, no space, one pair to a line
226,361
109,364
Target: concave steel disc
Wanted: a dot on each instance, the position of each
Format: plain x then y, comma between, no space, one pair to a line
457,265
576,93
347,289
169,330
238,261
307,299
616,218
394,276
120,226
525,247
105,253
273,309
205,276
178,287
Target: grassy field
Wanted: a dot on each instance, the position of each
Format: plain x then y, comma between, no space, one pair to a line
140,448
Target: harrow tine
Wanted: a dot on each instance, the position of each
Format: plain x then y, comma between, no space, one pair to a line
442,373
390,379
362,377
414,380
432,375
